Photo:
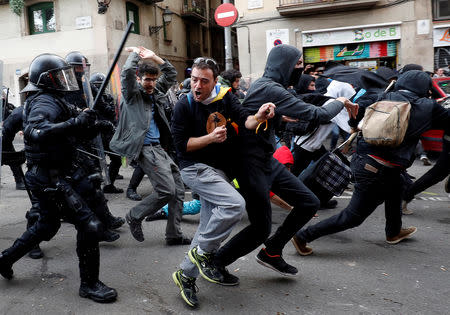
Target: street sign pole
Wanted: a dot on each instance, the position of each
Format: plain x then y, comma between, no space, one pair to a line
228,52
225,15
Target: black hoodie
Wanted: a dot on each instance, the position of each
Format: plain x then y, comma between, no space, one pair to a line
272,88
413,87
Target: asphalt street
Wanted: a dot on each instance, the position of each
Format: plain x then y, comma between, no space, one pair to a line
353,272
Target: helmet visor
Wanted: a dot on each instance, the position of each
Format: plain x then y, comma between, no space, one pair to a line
62,79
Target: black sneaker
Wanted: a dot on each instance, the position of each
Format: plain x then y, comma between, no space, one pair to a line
98,292
275,262
116,222
228,278
205,266
109,236
133,195
188,288
135,228
111,189
158,215
182,240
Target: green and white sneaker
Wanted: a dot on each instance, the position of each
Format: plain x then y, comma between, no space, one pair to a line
206,266
188,288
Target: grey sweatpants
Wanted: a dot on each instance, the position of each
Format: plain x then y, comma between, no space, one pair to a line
222,208
167,188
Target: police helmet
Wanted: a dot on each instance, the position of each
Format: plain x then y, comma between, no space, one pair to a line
97,79
75,58
50,71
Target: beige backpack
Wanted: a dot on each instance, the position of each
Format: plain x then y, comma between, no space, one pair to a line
385,123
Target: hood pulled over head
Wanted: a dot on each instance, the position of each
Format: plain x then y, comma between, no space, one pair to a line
415,81
281,62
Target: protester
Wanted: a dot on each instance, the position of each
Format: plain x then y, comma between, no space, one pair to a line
377,170
259,173
142,134
205,126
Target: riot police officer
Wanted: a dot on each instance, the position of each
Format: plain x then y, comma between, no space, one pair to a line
49,129
106,111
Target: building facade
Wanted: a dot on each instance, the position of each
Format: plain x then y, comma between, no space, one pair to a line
62,26
362,33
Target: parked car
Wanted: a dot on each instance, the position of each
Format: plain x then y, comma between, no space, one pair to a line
432,139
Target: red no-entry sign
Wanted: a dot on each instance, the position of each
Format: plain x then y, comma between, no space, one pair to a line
226,14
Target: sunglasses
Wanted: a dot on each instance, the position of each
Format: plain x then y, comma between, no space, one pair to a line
208,61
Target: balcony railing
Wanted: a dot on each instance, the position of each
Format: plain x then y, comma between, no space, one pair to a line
308,7
194,10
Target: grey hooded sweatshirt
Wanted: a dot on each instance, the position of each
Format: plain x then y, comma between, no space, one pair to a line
272,88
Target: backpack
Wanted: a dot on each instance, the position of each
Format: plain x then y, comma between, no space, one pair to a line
385,123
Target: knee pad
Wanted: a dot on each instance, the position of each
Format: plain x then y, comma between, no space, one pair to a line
93,228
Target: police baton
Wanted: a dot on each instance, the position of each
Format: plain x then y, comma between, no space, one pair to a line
111,68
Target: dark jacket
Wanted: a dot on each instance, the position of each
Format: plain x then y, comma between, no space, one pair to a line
48,141
136,109
272,88
189,120
413,87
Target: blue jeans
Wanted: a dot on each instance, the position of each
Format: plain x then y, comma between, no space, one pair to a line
374,184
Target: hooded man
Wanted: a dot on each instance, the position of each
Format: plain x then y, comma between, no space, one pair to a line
260,173
377,169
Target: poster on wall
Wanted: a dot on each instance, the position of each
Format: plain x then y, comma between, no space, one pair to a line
255,4
276,37
350,51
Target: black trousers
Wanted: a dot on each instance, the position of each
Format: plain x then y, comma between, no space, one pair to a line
255,185
438,172
50,209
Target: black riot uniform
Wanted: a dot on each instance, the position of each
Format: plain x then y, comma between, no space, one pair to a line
11,125
49,131
105,109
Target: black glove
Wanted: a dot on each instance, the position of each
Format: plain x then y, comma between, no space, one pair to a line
104,126
86,118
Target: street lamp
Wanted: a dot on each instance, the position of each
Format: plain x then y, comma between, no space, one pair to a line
103,6
167,18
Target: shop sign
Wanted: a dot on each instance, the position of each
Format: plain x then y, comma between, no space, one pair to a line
441,37
350,51
357,35
276,37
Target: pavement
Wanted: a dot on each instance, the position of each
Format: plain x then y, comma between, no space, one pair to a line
352,272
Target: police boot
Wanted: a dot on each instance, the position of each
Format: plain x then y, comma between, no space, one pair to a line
101,210
32,216
91,287
19,249
17,173
5,267
36,253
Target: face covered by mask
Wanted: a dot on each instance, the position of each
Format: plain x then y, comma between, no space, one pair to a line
295,76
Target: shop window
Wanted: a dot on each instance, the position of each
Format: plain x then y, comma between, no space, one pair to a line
133,15
441,9
41,17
